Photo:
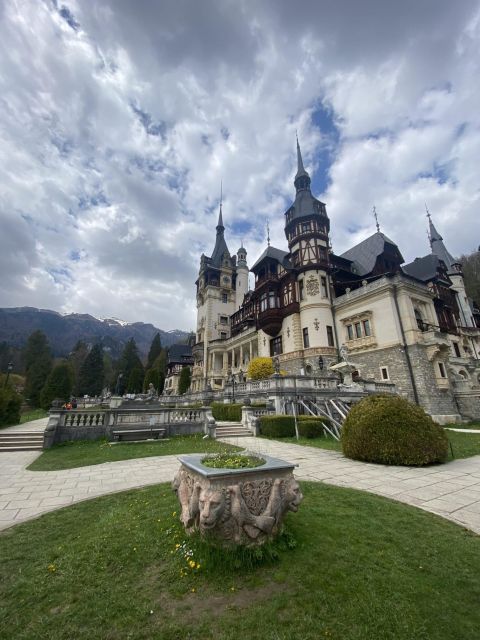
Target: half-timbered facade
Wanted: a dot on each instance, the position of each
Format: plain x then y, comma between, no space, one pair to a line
412,325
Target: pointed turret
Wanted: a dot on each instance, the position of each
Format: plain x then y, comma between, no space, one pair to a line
302,179
439,249
220,245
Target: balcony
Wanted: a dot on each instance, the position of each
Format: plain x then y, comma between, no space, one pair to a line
361,343
270,321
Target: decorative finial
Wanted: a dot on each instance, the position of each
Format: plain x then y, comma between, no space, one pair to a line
220,216
428,212
376,218
268,233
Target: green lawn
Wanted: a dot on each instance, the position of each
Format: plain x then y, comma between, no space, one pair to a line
321,443
464,445
364,568
83,453
33,414
468,425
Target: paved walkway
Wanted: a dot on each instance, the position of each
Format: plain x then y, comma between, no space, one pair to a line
451,490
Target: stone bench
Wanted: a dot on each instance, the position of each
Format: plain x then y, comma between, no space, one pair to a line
143,433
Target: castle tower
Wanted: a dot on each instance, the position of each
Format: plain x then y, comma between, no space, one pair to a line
307,227
454,270
242,277
216,302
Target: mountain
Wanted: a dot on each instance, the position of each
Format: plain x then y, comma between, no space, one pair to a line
64,331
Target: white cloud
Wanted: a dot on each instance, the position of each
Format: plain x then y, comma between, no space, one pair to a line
118,123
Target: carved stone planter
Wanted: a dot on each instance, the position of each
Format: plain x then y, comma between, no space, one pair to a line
236,506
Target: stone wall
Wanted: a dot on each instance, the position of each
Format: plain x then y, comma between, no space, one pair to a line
469,404
437,401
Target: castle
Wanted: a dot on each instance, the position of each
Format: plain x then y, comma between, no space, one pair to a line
411,325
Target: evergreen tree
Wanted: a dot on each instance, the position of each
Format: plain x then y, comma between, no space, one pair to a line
185,380
76,359
92,373
471,274
127,363
135,380
38,364
59,385
156,377
155,350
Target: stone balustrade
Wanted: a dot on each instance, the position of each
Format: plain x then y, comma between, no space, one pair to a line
80,424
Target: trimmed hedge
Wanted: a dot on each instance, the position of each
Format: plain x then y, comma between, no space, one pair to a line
391,430
10,403
284,426
227,412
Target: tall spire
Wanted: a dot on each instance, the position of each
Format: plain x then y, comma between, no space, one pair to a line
302,179
220,226
376,218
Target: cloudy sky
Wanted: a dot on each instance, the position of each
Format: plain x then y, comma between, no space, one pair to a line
119,119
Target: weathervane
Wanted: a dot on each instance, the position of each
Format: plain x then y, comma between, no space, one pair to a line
268,233
376,218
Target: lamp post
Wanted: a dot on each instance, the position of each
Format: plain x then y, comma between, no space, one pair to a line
9,368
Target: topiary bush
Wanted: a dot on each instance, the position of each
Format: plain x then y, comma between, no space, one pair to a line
10,403
227,412
391,430
284,426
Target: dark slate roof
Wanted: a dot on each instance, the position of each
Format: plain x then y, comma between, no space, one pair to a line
304,204
364,255
180,353
439,249
423,269
220,249
275,254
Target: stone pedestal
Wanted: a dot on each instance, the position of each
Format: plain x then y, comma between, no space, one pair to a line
236,506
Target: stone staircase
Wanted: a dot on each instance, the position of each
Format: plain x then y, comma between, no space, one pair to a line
21,440
231,430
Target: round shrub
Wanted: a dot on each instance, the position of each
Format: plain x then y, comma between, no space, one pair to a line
260,368
391,430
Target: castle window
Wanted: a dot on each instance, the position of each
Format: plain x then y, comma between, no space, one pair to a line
330,340
224,297
306,341
263,302
223,320
323,282
305,227
272,300
456,349
358,330
350,331
384,373
300,289
419,318
441,368
276,346
223,335
366,328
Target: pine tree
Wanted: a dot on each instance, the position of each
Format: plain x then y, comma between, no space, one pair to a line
59,385
38,364
76,358
185,380
135,380
155,350
129,362
156,377
471,274
92,373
